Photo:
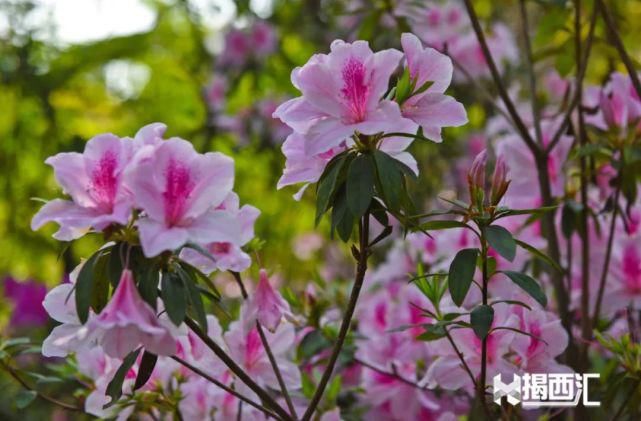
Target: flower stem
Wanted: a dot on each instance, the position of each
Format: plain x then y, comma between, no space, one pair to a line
237,370
268,351
483,379
361,268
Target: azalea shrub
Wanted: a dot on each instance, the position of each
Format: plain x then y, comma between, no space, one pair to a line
474,198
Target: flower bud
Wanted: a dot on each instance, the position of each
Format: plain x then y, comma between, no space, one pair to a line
476,178
500,182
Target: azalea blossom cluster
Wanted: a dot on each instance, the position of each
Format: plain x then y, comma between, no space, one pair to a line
170,194
346,97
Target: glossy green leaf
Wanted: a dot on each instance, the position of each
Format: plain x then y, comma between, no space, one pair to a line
327,185
528,284
360,184
461,274
114,388
174,297
389,178
502,241
441,225
539,254
146,369
481,320
85,286
24,398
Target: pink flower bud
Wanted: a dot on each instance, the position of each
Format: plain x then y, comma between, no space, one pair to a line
266,305
500,182
476,177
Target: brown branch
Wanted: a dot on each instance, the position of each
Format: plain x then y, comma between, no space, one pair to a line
536,111
361,268
618,44
268,351
224,387
237,370
387,373
511,109
14,373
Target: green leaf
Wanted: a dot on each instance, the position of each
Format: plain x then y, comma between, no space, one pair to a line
174,297
528,284
84,287
501,240
432,333
101,281
461,274
533,211
360,184
389,177
481,319
115,264
403,86
441,225
145,370
148,285
194,296
539,254
568,220
327,186
342,218
114,388
24,398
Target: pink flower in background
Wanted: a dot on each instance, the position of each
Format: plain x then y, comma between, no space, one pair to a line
263,39
447,372
237,48
624,278
246,348
430,109
227,255
215,92
128,322
179,189
524,191
93,180
618,104
341,95
265,305
537,353
26,297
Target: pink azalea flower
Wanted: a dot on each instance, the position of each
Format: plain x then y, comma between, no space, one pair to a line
619,105
93,180
128,322
227,255
430,109
215,92
524,189
624,280
246,348
342,94
151,134
178,189
265,305
536,353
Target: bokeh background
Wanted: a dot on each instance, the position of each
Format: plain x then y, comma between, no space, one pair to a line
213,71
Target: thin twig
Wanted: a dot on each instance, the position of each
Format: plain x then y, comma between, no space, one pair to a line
618,44
608,252
223,386
575,98
41,395
505,97
626,400
536,111
387,373
237,370
268,351
461,357
361,268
